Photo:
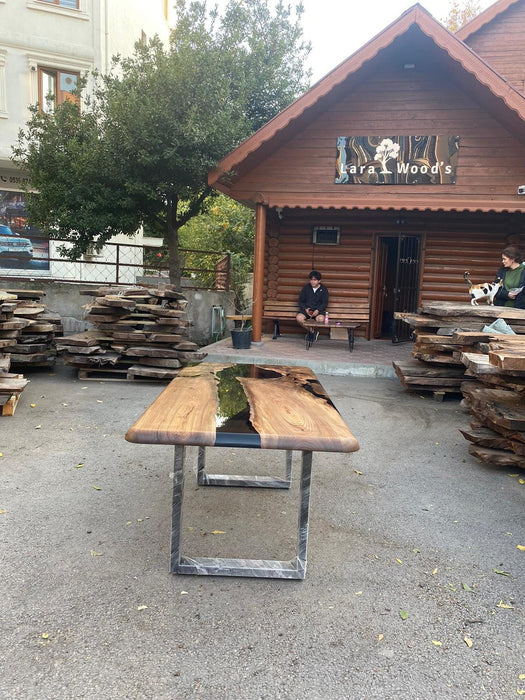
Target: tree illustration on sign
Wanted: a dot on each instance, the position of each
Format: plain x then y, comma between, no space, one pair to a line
387,149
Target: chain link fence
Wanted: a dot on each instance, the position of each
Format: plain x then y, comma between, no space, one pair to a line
117,263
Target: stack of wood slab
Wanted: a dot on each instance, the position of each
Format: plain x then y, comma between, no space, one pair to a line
27,328
11,386
497,400
139,332
441,331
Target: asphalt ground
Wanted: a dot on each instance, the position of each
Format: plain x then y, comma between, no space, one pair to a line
414,586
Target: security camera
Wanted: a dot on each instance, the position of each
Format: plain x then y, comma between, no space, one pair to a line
521,189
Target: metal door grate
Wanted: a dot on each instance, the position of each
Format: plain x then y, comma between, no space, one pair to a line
406,289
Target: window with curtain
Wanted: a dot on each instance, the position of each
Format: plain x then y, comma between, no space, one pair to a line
54,87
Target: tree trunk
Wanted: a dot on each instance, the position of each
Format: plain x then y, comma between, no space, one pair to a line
172,243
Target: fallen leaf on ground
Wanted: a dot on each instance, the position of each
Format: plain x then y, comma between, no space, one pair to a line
467,641
436,643
97,488
359,593
399,561
380,637
520,546
79,466
403,614
142,607
435,571
218,532
501,604
95,554
45,635
2,511
502,573
466,587
356,471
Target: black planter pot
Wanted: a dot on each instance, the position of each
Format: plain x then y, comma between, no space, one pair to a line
241,338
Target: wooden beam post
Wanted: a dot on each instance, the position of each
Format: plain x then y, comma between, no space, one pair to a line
258,272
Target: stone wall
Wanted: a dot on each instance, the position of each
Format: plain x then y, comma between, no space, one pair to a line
65,298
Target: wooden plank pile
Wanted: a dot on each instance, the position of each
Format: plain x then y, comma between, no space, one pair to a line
27,328
443,332
11,386
497,401
139,332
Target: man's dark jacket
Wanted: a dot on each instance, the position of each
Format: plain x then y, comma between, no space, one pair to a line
308,299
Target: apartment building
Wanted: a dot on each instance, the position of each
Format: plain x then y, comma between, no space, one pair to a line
45,45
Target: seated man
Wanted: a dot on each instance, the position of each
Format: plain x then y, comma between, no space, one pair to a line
313,301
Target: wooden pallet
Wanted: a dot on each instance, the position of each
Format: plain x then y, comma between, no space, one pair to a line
9,407
438,394
116,374
113,374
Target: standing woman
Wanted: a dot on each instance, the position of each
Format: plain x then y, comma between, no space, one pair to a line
513,275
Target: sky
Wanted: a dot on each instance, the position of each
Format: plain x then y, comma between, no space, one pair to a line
338,28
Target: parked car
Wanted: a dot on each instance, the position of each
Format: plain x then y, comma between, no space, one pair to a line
12,245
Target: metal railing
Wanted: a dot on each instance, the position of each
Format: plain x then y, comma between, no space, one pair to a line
117,263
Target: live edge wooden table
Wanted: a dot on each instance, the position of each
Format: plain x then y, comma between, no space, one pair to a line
279,408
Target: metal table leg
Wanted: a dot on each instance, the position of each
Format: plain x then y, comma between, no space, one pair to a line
351,339
269,482
259,568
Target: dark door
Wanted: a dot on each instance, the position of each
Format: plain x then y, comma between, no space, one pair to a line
396,286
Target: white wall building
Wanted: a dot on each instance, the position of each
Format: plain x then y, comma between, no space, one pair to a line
45,45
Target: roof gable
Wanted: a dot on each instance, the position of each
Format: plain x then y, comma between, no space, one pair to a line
471,71
484,18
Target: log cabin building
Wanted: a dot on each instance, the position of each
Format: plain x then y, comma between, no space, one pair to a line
395,173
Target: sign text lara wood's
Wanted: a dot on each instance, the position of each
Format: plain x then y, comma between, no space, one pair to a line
396,160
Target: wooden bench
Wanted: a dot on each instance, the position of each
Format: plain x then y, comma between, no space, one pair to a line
349,312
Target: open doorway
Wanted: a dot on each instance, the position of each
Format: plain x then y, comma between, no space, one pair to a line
396,284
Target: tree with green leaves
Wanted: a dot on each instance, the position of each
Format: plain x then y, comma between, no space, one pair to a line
460,12
138,150
227,226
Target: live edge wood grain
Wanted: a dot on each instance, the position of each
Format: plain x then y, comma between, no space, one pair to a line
288,417
288,408
183,414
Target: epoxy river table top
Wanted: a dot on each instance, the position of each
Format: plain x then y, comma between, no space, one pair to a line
266,406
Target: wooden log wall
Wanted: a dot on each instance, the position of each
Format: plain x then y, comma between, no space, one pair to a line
500,43
451,244
475,245
290,255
